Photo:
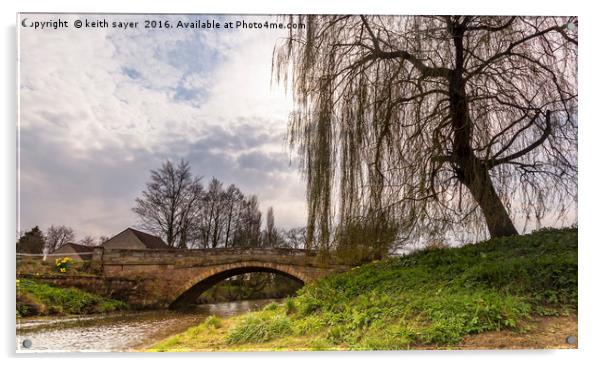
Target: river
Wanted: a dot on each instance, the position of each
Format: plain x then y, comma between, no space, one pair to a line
125,331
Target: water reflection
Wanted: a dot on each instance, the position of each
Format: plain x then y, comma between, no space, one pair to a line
119,332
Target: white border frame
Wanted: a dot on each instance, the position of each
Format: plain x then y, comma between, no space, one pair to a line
589,136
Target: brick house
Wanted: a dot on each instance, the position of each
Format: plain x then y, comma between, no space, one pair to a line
134,239
77,252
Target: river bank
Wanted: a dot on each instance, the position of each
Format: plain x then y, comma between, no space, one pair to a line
35,298
118,331
436,298
543,333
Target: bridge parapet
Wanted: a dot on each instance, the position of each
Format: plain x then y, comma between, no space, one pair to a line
207,257
205,253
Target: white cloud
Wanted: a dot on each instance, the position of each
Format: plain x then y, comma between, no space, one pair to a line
104,101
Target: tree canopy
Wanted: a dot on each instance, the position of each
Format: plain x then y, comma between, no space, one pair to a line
31,242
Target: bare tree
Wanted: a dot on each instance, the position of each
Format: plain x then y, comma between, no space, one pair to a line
214,208
441,122
294,238
191,213
248,233
224,218
216,194
252,222
176,206
271,233
233,200
167,204
88,241
57,236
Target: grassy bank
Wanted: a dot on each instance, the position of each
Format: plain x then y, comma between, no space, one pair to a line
38,266
433,298
35,298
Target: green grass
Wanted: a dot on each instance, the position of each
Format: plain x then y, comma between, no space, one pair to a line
36,298
259,327
39,267
430,298
213,321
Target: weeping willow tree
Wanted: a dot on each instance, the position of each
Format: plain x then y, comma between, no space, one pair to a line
432,123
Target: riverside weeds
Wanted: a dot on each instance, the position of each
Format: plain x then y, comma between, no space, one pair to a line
432,298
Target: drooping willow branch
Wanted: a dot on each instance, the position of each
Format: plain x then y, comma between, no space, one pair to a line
432,124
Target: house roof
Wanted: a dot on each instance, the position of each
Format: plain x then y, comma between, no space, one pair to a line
77,248
149,241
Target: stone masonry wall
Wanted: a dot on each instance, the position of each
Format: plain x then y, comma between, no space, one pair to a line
125,289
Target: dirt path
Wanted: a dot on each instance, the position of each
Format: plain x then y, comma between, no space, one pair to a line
543,333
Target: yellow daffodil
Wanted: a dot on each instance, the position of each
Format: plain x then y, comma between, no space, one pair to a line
62,264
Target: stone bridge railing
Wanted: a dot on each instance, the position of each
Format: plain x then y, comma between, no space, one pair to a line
149,260
175,254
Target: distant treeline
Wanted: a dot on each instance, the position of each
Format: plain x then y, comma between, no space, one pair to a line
177,207
186,214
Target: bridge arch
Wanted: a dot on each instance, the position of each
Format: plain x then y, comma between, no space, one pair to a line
200,283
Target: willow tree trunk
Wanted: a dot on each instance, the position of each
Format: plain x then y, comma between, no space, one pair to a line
471,171
481,187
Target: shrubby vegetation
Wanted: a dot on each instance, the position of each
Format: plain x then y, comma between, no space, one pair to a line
433,297
362,240
35,298
31,242
37,266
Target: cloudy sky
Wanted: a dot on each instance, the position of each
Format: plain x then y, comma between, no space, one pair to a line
99,108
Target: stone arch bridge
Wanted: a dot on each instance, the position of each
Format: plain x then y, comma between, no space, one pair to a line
173,278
